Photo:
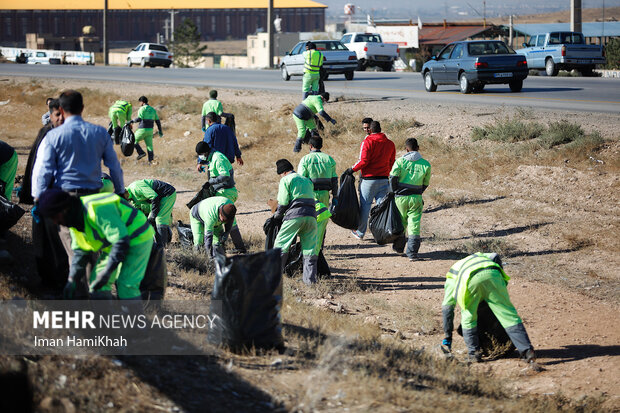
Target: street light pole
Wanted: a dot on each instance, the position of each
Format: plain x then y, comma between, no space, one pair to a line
105,33
270,32
575,15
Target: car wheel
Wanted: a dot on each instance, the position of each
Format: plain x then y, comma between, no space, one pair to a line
586,71
285,74
349,75
387,67
362,65
550,68
142,62
128,62
478,88
464,84
428,82
516,85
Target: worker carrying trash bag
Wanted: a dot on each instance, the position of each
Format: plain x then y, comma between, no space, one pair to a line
147,118
313,61
102,222
211,220
155,199
297,211
478,277
221,178
304,114
320,168
120,113
409,178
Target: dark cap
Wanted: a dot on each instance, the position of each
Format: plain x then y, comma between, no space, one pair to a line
52,201
283,165
203,147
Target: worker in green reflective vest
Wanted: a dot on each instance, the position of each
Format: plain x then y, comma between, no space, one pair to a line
147,118
469,281
304,115
313,60
320,168
211,220
108,224
119,113
297,212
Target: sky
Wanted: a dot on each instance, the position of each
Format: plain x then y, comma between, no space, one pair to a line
454,9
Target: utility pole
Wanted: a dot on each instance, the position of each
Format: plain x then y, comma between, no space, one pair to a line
575,15
484,14
105,33
270,32
172,13
510,31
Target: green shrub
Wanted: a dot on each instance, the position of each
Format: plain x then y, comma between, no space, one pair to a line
510,130
612,52
560,133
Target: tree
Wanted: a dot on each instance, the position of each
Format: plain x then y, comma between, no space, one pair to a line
612,52
186,45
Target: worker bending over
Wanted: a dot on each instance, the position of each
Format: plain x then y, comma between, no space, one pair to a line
320,168
409,178
296,210
147,117
120,113
304,115
102,222
211,220
313,61
155,199
475,278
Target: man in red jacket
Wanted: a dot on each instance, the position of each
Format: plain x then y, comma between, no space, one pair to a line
377,154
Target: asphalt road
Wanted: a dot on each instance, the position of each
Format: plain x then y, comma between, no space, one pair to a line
539,92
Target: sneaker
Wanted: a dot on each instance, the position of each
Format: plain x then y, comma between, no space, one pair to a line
473,358
529,356
142,155
414,258
153,163
357,235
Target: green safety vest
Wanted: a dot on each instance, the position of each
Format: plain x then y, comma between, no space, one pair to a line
313,60
465,268
122,106
94,238
322,212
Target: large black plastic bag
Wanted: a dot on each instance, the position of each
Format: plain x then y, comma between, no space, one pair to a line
271,227
10,213
186,237
128,141
385,222
494,341
153,285
203,193
246,301
347,213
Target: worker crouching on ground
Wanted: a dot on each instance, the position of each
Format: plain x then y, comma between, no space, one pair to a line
320,168
211,220
471,280
120,113
409,178
102,222
147,118
304,114
155,199
296,210
222,182
313,61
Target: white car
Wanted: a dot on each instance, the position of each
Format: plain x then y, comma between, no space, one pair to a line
38,58
150,54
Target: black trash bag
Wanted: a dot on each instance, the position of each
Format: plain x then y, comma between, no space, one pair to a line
230,122
203,193
385,222
153,285
494,341
346,213
271,227
186,237
10,213
246,301
295,263
128,141
111,129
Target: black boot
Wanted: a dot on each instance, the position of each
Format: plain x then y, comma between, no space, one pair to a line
413,246
151,156
399,245
140,151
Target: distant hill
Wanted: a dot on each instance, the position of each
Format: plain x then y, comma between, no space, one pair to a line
587,15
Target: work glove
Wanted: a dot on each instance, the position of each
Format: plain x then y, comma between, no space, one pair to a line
446,345
333,121
349,171
102,279
161,134
35,214
69,291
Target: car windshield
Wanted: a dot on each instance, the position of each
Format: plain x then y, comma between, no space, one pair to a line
372,38
482,48
158,47
325,46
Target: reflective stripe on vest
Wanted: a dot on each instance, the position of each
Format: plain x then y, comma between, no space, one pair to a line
464,271
118,106
92,239
313,61
322,212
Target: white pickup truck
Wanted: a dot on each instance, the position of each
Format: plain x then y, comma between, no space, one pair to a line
370,50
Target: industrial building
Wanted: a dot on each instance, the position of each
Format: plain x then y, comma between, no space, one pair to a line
142,20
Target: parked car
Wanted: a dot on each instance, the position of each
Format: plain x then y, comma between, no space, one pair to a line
150,54
337,59
556,51
370,50
473,64
38,58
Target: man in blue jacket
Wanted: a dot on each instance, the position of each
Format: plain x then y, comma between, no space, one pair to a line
221,138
